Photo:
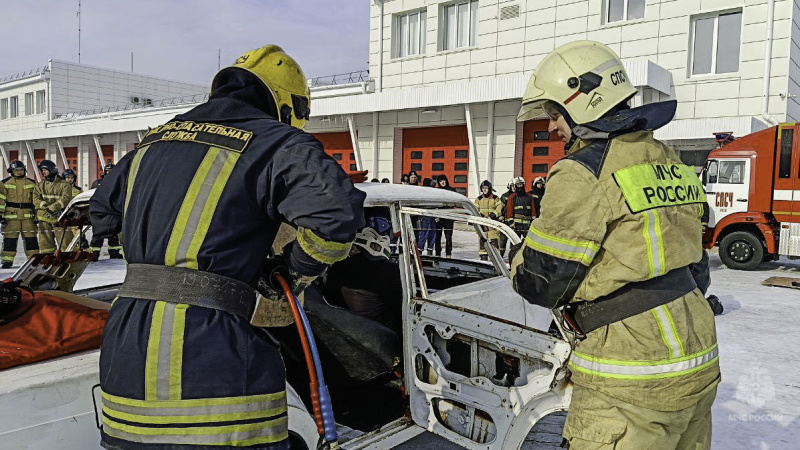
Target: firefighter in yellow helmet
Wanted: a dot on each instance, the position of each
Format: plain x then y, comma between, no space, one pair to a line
618,228
199,203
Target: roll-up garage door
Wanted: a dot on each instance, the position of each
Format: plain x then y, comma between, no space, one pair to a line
436,151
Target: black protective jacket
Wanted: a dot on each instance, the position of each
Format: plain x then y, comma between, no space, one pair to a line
209,189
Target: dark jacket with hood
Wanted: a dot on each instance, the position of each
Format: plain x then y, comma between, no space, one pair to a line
219,180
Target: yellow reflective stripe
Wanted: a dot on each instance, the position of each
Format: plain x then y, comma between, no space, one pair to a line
29,186
579,251
166,419
132,174
644,370
151,363
2,196
178,230
324,251
176,352
666,326
233,435
11,186
195,402
10,216
201,228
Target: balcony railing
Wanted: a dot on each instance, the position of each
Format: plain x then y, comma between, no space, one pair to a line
342,78
25,74
163,103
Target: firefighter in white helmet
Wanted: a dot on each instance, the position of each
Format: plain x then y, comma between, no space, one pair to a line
619,226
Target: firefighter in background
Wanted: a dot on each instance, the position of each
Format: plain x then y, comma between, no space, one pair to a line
50,197
520,209
489,205
96,245
502,239
645,363
192,363
17,211
537,192
106,170
71,178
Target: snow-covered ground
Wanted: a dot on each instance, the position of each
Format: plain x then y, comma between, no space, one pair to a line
758,401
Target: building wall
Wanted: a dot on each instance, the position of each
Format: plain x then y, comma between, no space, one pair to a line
19,89
77,87
517,45
793,101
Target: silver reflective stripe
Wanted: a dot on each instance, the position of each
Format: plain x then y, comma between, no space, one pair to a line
197,208
164,348
668,334
238,435
654,241
638,370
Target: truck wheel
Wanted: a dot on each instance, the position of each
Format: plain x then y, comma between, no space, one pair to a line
741,250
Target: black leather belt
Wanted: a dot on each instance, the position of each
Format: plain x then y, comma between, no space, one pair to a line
19,205
631,299
189,287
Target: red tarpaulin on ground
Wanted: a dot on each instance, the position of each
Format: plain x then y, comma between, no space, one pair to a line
51,327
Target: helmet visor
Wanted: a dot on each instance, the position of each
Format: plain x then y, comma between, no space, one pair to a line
532,111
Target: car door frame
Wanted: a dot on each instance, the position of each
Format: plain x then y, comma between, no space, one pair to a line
513,410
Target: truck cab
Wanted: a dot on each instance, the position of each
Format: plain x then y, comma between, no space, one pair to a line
753,190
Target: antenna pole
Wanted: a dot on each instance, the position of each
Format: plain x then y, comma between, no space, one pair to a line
79,31
131,62
219,54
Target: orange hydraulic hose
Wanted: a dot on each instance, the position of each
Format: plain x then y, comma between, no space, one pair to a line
312,373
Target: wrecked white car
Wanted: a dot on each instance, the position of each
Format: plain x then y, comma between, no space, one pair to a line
471,361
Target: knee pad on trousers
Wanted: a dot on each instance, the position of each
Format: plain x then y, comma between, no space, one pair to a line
10,244
31,243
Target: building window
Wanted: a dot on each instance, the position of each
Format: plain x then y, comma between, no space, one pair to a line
460,166
717,42
541,151
41,105
461,154
459,24
3,108
438,154
618,10
437,166
29,103
13,103
409,35
539,168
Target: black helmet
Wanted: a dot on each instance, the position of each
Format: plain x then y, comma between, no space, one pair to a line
16,164
488,184
51,167
69,172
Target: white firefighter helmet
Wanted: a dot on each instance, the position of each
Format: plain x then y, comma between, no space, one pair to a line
519,180
372,244
585,77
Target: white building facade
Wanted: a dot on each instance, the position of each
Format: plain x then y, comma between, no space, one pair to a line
446,78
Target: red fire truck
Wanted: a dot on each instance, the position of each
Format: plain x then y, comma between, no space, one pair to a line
753,189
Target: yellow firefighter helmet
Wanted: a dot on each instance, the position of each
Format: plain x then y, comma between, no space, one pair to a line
282,77
585,77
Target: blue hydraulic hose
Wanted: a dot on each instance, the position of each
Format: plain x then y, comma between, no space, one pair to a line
325,404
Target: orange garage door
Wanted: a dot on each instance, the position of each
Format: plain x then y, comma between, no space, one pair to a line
339,147
438,150
541,150
72,157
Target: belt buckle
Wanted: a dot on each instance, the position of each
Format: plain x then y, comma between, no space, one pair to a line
572,324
